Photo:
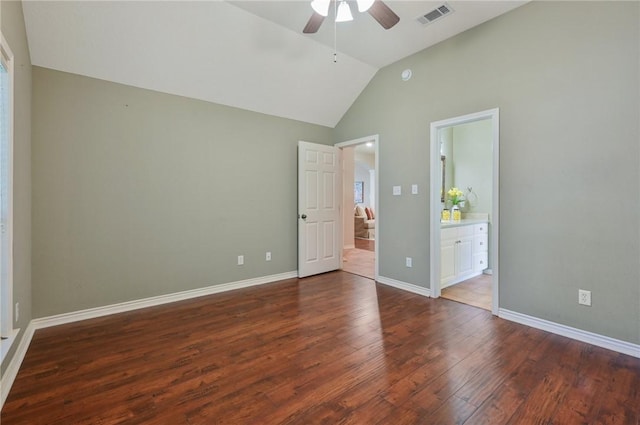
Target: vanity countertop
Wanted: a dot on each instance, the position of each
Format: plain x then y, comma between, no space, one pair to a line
463,222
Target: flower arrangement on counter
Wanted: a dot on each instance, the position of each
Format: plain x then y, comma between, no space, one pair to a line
456,196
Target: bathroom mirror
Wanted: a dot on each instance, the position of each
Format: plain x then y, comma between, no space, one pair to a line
442,166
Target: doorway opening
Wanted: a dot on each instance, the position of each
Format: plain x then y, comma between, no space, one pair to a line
464,209
360,226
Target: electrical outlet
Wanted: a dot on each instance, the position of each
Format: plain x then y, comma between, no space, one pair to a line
409,262
414,189
17,312
584,297
240,260
267,256
397,190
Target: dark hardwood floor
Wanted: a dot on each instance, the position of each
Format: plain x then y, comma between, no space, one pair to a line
335,348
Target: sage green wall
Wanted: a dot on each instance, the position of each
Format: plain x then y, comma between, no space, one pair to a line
12,27
565,76
138,193
472,162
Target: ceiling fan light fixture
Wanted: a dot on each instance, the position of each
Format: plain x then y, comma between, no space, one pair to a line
364,5
344,12
321,7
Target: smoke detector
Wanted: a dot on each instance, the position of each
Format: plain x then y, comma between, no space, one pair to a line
437,13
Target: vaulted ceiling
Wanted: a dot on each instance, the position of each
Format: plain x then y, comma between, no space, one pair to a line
246,54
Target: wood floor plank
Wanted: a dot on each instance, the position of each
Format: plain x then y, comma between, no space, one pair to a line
455,411
549,392
587,386
431,398
503,402
335,348
620,400
359,261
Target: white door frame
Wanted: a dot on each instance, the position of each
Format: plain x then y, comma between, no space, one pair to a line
372,139
6,289
436,184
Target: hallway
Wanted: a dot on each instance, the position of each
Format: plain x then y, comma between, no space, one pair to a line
360,260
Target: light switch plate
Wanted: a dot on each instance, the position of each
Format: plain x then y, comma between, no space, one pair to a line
397,190
414,189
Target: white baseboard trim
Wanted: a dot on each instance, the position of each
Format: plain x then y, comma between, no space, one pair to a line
409,287
573,333
92,313
6,344
14,365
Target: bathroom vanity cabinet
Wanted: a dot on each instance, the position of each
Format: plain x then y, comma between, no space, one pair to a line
463,250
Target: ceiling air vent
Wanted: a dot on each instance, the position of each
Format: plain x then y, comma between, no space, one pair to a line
436,13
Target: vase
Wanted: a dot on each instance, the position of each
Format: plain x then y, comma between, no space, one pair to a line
455,213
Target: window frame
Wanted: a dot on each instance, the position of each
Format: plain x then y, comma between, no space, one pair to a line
6,289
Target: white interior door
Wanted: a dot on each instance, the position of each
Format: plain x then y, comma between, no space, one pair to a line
319,198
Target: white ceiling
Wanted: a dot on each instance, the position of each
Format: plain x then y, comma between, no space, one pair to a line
247,54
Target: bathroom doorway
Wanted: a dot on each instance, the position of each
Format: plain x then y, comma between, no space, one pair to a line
360,189
464,178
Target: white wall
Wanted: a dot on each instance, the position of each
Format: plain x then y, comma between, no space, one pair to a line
348,171
362,174
364,163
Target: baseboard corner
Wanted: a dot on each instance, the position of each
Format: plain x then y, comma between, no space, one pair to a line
10,374
602,341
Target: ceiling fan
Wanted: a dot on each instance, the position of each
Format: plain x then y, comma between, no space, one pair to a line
376,8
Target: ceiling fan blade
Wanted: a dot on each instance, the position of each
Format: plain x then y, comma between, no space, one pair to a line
314,23
385,16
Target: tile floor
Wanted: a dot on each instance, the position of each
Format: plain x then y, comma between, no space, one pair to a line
475,291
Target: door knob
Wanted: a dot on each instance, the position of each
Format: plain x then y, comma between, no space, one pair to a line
303,216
